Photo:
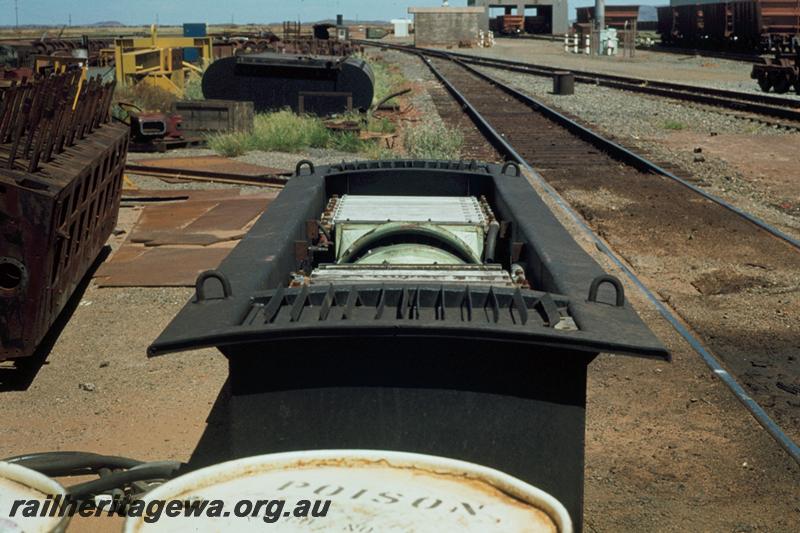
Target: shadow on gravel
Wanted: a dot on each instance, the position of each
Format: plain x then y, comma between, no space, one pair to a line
20,373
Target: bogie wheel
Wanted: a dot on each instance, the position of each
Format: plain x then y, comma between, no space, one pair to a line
764,83
782,85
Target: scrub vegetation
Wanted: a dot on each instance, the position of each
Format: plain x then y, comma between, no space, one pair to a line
673,125
285,131
145,96
388,79
433,140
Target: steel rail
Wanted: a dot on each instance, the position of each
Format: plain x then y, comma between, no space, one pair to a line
752,406
610,147
788,109
627,156
762,104
741,57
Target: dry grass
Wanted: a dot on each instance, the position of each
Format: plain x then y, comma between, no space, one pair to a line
285,131
433,140
146,97
388,79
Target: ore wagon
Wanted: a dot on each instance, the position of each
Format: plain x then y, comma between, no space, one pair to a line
763,25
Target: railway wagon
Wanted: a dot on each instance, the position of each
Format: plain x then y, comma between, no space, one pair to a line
618,17
508,24
433,307
763,25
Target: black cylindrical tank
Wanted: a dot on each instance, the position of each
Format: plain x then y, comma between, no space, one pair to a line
563,82
322,85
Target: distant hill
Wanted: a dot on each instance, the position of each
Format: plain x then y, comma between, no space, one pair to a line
107,24
350,22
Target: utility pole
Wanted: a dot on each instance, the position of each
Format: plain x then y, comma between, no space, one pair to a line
600,14
600,21
16,14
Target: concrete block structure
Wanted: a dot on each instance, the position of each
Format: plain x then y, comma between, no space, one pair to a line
541,16
447,26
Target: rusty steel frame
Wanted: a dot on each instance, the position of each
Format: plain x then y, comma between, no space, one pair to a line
61,165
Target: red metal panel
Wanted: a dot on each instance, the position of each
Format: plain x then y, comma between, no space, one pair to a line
779,16
745,25
616,16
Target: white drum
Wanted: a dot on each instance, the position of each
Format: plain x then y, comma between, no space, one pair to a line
18,483
355,490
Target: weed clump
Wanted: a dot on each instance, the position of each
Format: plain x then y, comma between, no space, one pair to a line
433,140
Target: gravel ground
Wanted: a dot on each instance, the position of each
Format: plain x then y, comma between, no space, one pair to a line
432,102
667,445
631,114
419,76
691,70
645,123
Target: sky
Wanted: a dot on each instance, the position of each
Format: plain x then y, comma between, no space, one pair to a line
136,12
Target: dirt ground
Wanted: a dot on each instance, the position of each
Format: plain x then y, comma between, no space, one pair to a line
770,166
668,447
652,65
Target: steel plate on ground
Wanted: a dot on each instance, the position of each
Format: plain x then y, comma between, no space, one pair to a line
209,167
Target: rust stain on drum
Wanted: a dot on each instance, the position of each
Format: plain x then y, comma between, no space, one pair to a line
540,520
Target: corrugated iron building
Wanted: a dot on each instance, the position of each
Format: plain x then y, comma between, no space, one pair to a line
541,16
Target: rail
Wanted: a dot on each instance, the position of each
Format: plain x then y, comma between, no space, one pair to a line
757,103
500,143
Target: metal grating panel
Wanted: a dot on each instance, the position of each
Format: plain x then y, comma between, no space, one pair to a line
439,209
464,305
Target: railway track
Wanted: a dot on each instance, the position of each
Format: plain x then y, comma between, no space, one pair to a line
775,107
729,276
742,57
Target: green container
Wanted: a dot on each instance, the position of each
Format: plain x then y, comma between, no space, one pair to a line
376,33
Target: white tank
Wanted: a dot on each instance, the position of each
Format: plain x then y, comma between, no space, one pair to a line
20,483
377,491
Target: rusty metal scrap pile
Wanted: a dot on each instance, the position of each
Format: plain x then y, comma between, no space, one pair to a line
298,45
39,120
61,164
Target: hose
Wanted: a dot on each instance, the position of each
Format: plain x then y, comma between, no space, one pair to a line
117,480
491,242
116,473
59,464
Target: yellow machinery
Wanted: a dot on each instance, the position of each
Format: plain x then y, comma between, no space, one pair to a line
46,65
158,60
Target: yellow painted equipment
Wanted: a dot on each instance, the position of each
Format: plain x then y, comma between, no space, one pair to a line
158,60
